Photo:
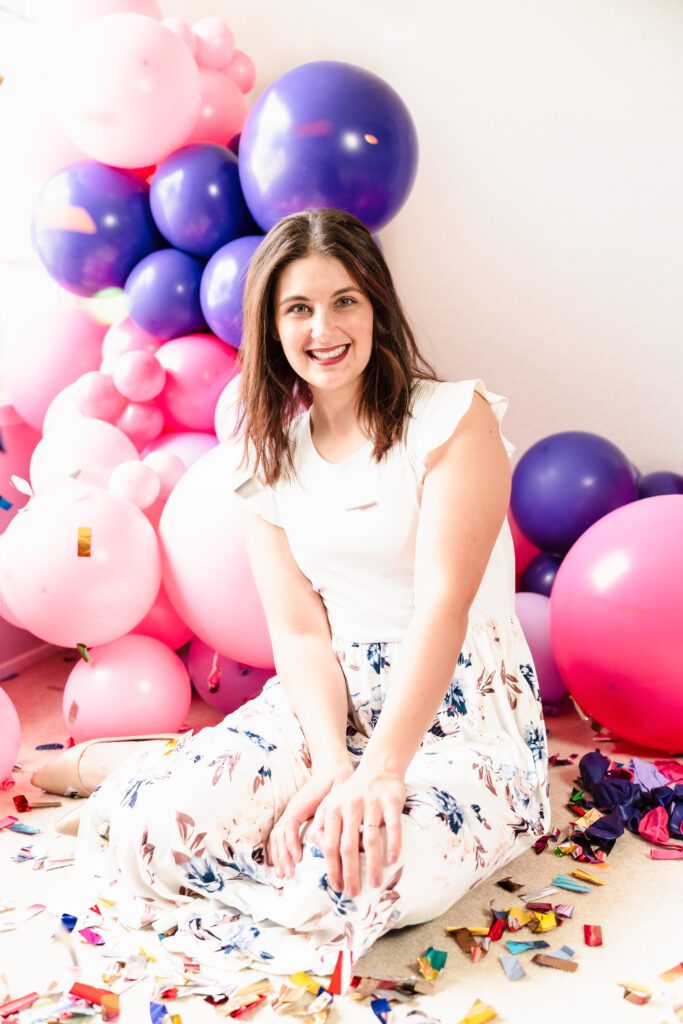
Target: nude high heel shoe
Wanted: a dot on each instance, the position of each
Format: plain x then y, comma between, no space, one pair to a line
62,773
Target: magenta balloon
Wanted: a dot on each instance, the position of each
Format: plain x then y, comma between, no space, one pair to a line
66,598
616,610
533,612
236,683
197,367
163,623
10,735
134,686
205,565
18,443
188,446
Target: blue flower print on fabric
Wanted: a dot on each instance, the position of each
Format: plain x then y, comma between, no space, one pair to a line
535,740
255,738
530,675
342,904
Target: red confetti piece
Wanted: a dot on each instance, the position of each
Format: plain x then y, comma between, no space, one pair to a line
496,930
592,934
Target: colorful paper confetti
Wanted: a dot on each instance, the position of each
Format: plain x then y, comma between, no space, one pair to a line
592,934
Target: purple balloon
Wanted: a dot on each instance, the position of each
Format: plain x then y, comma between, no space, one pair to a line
91,225
197,200
660,482
222,287
234,683
565,483
533,612
328,134
540,573
163,294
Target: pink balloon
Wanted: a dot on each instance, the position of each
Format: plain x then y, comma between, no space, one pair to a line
97,396
222,111
10,735
18,442
135,482
616,609
227,409
139,376
5,611
205,565
214,42
58,344
66,597
86,450
533,612
134,686
188,446
129,90
61,410
163,623
242,71
233,683
69,15
126,336
198,366
181,28
168,467
525,551
141,422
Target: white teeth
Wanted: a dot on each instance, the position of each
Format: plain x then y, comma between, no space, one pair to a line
332,354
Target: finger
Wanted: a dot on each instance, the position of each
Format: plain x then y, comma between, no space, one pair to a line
394,829
372,844
350,850
292,844
331,839
277,855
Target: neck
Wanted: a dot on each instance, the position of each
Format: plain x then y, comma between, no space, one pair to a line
335,412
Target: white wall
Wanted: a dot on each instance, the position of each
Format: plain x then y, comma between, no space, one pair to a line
542,245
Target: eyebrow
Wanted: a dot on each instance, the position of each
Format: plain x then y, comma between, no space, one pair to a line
292,298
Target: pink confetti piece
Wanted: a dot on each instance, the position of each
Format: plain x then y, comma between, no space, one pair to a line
666,854
91,936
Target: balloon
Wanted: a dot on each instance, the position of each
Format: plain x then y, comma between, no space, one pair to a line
87,450
234,683
222,287
197,369
163,294
10,735
58,344
205,566
92,224
141,422
136,482
661,482
80,565
168,467
138,375
163,623
182,29
97,396
227,408
615,622
524,549
566,482
197,201
126,336
68,15
62,410
18,442
214,42
328,134
128,90
222,111
242,71
539,575
533,612
134,686
187,445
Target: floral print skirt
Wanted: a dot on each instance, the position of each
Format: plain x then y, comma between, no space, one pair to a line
176,839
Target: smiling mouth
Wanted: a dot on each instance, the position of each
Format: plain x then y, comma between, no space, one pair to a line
330,355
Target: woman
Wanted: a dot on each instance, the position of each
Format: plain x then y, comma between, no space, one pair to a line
398,756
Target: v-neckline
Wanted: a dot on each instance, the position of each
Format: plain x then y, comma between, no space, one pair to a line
316,453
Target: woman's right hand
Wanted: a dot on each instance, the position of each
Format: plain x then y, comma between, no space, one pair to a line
284,848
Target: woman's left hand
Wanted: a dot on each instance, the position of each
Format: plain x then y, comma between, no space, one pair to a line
375,798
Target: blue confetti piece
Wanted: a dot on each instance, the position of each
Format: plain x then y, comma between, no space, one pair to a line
565,953
381,1009
563,882
18,826
4,503
68,922
512,967
522,947
50,746
157,1012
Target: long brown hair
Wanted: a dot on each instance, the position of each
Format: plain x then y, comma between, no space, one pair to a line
271,392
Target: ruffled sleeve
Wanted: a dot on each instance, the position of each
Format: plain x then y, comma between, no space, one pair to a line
252,490
438,407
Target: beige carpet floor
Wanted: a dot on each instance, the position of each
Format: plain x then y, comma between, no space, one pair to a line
640,906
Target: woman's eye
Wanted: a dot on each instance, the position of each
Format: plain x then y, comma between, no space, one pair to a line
347,298
295,309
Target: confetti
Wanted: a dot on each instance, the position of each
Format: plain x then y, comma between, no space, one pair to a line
568,883
381,1009
431,962
673,973
512,967
479,1013
22,805
50,746
523,947
586,877
467,943
564,952
92,937
341,976
509,885
592,934
666,854
84,541
5,505
555,961
564,909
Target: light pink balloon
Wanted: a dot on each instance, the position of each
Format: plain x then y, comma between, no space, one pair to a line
222,111
10,735
5,611
215,43
234,683
18,443
66,598
168,467
129,90
126,336
181,28
242,71
97,396
227,409
616,610
68,15
533,612
163,623
141,422
205,565
139,376
134,686
188,446
86,450
61,410
56,346
198,366
136,482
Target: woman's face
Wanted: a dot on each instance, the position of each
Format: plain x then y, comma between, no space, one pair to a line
324,322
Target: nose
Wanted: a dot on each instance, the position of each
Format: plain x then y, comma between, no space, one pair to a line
322,324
